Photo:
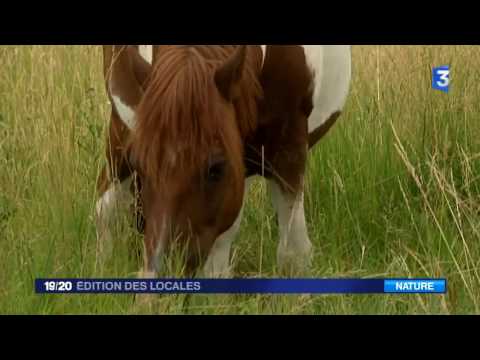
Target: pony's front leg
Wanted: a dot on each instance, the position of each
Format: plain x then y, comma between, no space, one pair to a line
218,262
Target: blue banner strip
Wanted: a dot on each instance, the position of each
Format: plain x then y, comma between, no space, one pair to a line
240,286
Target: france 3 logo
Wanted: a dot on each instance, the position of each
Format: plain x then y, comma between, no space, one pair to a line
441,78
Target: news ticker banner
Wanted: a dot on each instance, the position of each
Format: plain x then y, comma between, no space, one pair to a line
241,286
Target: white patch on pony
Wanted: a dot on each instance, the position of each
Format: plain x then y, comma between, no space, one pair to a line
218,262
117,196
332,69
295,247
126,113
146,51
264,53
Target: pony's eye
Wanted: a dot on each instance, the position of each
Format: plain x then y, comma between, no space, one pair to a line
216,171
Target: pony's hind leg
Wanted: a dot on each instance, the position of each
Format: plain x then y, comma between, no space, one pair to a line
113,187
114,196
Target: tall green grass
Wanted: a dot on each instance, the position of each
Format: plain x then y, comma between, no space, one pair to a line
393,190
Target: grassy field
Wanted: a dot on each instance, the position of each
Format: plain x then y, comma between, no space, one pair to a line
393,191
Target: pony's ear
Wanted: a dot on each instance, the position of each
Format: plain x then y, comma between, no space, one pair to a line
228,76
127,76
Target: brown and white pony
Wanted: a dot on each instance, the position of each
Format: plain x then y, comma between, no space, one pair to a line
196,123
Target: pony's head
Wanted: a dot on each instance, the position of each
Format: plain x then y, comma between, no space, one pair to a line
193,109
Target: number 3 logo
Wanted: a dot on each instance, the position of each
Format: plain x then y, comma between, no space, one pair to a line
441,78
444,76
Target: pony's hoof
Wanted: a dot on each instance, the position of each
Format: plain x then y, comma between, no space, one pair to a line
294,264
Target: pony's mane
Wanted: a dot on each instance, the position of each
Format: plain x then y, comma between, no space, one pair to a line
178,111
